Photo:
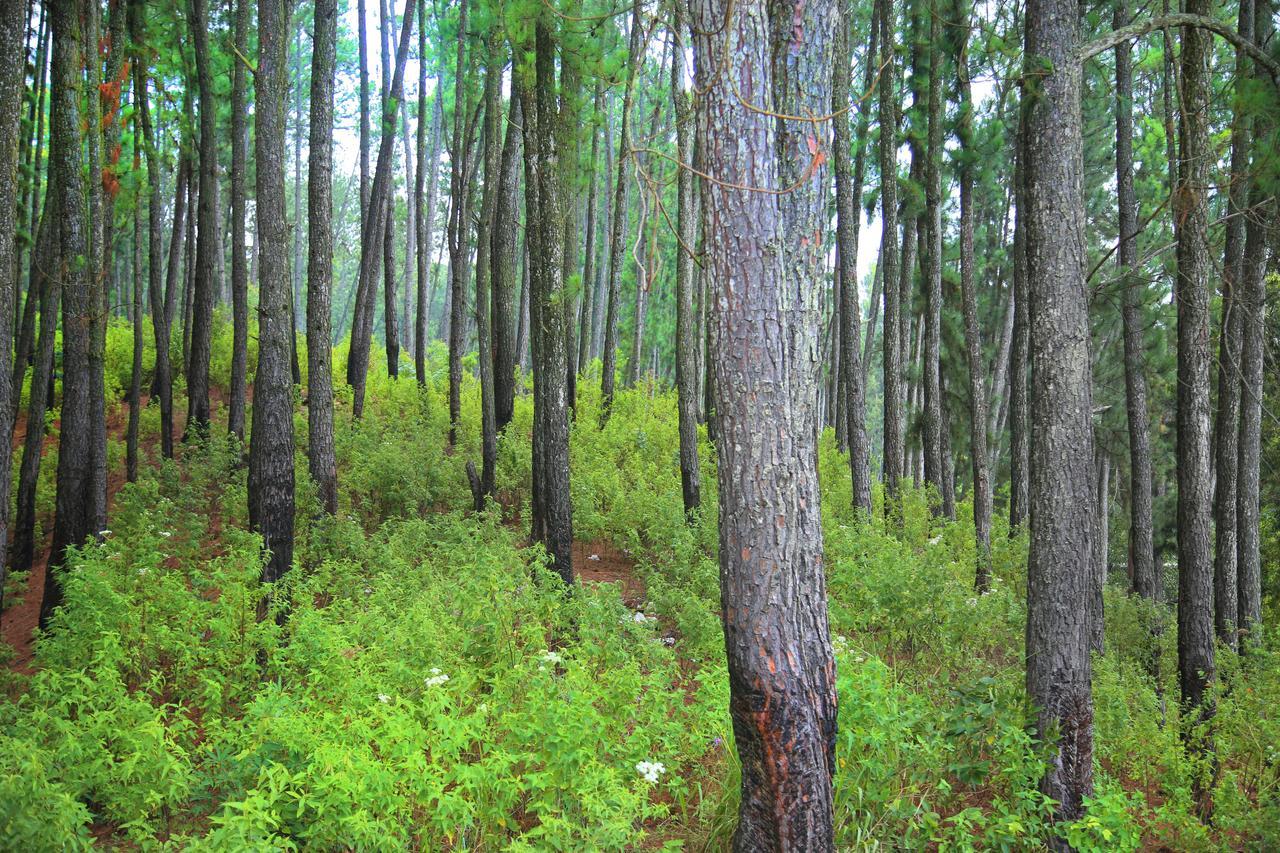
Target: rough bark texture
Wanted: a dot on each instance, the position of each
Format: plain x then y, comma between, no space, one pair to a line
74,505
208,245
618,218
552,522
482,487
135,374
507,215
320,451
894,457
271,486
1019,452
1146,582
686,229
1191,201
239,259
931,263
1252,306
764,261
1061,492
425,214
390,326
848,218
12,58
460,184
978,457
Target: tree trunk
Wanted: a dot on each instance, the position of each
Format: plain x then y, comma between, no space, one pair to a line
460,185
1101,544
425,216
1195,558
239,270
1146,582
320,450
894,456
135,375
1019,451
12,78
931,261
208,246
271,485
1061,488
978,453
686,325
482,487
390,327
618,218
589,264
850,388
504,263
765,261
74,512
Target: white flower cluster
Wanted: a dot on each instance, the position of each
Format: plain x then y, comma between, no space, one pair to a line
650,770
552,657
384,698
437,677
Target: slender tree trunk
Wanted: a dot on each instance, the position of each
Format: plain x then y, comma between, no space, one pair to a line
239,269
1146,581
894,344
320,450
460,185
589,265
407,327
1227,426
1101,545
135,375
686,225
507,219
1195,558
1061,488
482,486
931,261
208,246
390,328
848,219
1019,357
1252,305
271,483
765,329
424,216
618,219
972,333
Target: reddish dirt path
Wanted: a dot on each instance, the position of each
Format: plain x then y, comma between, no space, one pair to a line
611,566
18,622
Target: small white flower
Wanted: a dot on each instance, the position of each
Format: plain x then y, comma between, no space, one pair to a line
142,571
368,590
650,770
166,533
384,698
437,678
552,657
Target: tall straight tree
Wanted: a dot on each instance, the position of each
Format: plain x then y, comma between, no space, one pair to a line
618,219
1195,555
894,344
12,56
504,267
271,486
239,260
1141,531
686,229
391,334
371,248
208,245
425,212
320,450
552,519
482,486
74,508
460,192
848,216
931,267
764,254
1061,487
1020,347
978,453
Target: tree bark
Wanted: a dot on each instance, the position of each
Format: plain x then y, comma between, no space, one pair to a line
507,216
1061,488
850,388
12,59
482,488
271,484
931,260
686,325
618,218
390,119
239,267
320,450
460,191
1195,559
208,247
894,457
765,257
1019,356
425,216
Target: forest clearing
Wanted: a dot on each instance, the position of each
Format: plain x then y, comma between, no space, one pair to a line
790,425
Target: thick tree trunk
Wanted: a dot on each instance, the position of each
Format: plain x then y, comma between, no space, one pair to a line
686,229
208,246
850,388
12,59
239,268
978,453
1061,489
1195,557
74,512
764,265
320,450
618,218
271,485
507,217
894,456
